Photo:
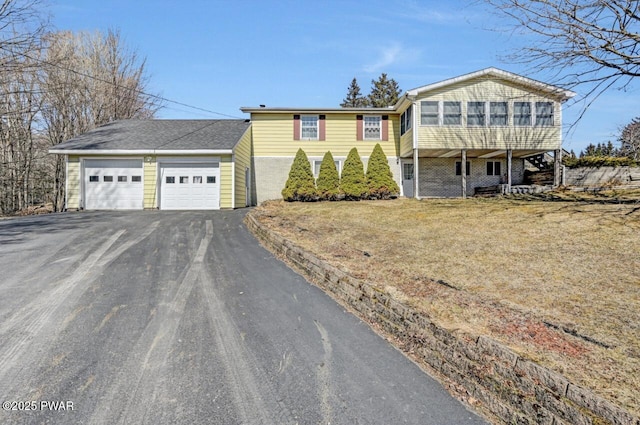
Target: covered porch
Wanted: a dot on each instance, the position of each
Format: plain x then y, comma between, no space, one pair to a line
458,172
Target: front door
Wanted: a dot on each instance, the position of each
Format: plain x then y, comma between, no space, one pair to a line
407,179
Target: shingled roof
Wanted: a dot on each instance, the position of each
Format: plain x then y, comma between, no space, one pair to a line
157,136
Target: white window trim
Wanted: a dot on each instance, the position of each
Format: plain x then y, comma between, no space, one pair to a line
488,107
364,127
534,115
317,117
338,163
408,123
439,112
486,113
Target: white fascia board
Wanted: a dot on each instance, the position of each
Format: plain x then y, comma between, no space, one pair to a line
142,152
249,109
564,94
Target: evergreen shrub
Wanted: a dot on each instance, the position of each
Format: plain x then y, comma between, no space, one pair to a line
328,183
379,178
353,182
300,185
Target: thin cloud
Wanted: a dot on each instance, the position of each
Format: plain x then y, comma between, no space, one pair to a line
388,56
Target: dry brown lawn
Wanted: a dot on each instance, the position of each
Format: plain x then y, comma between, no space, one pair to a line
559,282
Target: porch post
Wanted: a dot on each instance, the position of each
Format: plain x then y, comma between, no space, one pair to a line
463,173
557,167
416,186
509,162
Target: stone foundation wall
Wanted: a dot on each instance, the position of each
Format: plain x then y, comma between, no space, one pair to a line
509,388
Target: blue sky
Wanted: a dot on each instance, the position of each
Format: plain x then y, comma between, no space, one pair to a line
221,55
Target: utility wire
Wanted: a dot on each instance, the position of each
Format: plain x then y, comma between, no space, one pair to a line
93,77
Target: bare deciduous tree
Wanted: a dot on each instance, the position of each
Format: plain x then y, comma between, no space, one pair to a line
21,26
89,80
594,43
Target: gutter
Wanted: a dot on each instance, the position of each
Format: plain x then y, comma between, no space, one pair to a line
142,151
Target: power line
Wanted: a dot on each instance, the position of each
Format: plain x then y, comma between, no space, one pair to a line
93,77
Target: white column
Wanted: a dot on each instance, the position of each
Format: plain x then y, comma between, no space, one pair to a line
509,162
463,173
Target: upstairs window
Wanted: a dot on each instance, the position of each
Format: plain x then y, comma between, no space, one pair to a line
372,127
544,114
429,112
498,114
475,114
451,113
406,120
309,127
521,114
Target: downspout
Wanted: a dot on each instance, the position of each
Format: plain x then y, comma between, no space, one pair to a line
414,136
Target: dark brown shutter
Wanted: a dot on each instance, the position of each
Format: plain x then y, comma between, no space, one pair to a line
322,127
385,127
359,128
296,127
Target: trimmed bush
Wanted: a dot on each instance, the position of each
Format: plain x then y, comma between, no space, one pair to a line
328,183
353,183
379,178
300,185
598,161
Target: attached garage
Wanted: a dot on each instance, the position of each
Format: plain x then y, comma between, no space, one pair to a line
189,186
113,184
159,164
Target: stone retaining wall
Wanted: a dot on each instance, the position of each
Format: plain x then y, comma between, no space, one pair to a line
511,389
601,176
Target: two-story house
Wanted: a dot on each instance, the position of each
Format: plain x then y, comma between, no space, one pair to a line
490,121
441,140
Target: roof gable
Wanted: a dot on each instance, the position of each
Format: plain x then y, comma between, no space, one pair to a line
159,136
495,73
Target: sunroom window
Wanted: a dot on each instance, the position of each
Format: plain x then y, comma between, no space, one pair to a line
498,115
521,114
429,112
452,113
544,114
475,114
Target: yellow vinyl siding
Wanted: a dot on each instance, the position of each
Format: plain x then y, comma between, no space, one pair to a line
406,143
273,136
242,157
488,137
150,180
226,182
73,182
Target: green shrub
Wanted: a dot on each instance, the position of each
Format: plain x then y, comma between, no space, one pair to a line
300,185
379,178
598,161
328,183
353,183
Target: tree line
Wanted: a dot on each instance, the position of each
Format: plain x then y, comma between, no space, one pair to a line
384,92
56,85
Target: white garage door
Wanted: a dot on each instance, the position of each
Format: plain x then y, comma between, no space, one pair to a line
113,184
193,186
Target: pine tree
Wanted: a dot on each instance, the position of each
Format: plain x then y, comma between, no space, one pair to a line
353,182
300,185
384,92
354,98
328,183
379,178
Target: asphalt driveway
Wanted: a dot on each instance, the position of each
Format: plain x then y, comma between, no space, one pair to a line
181,317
